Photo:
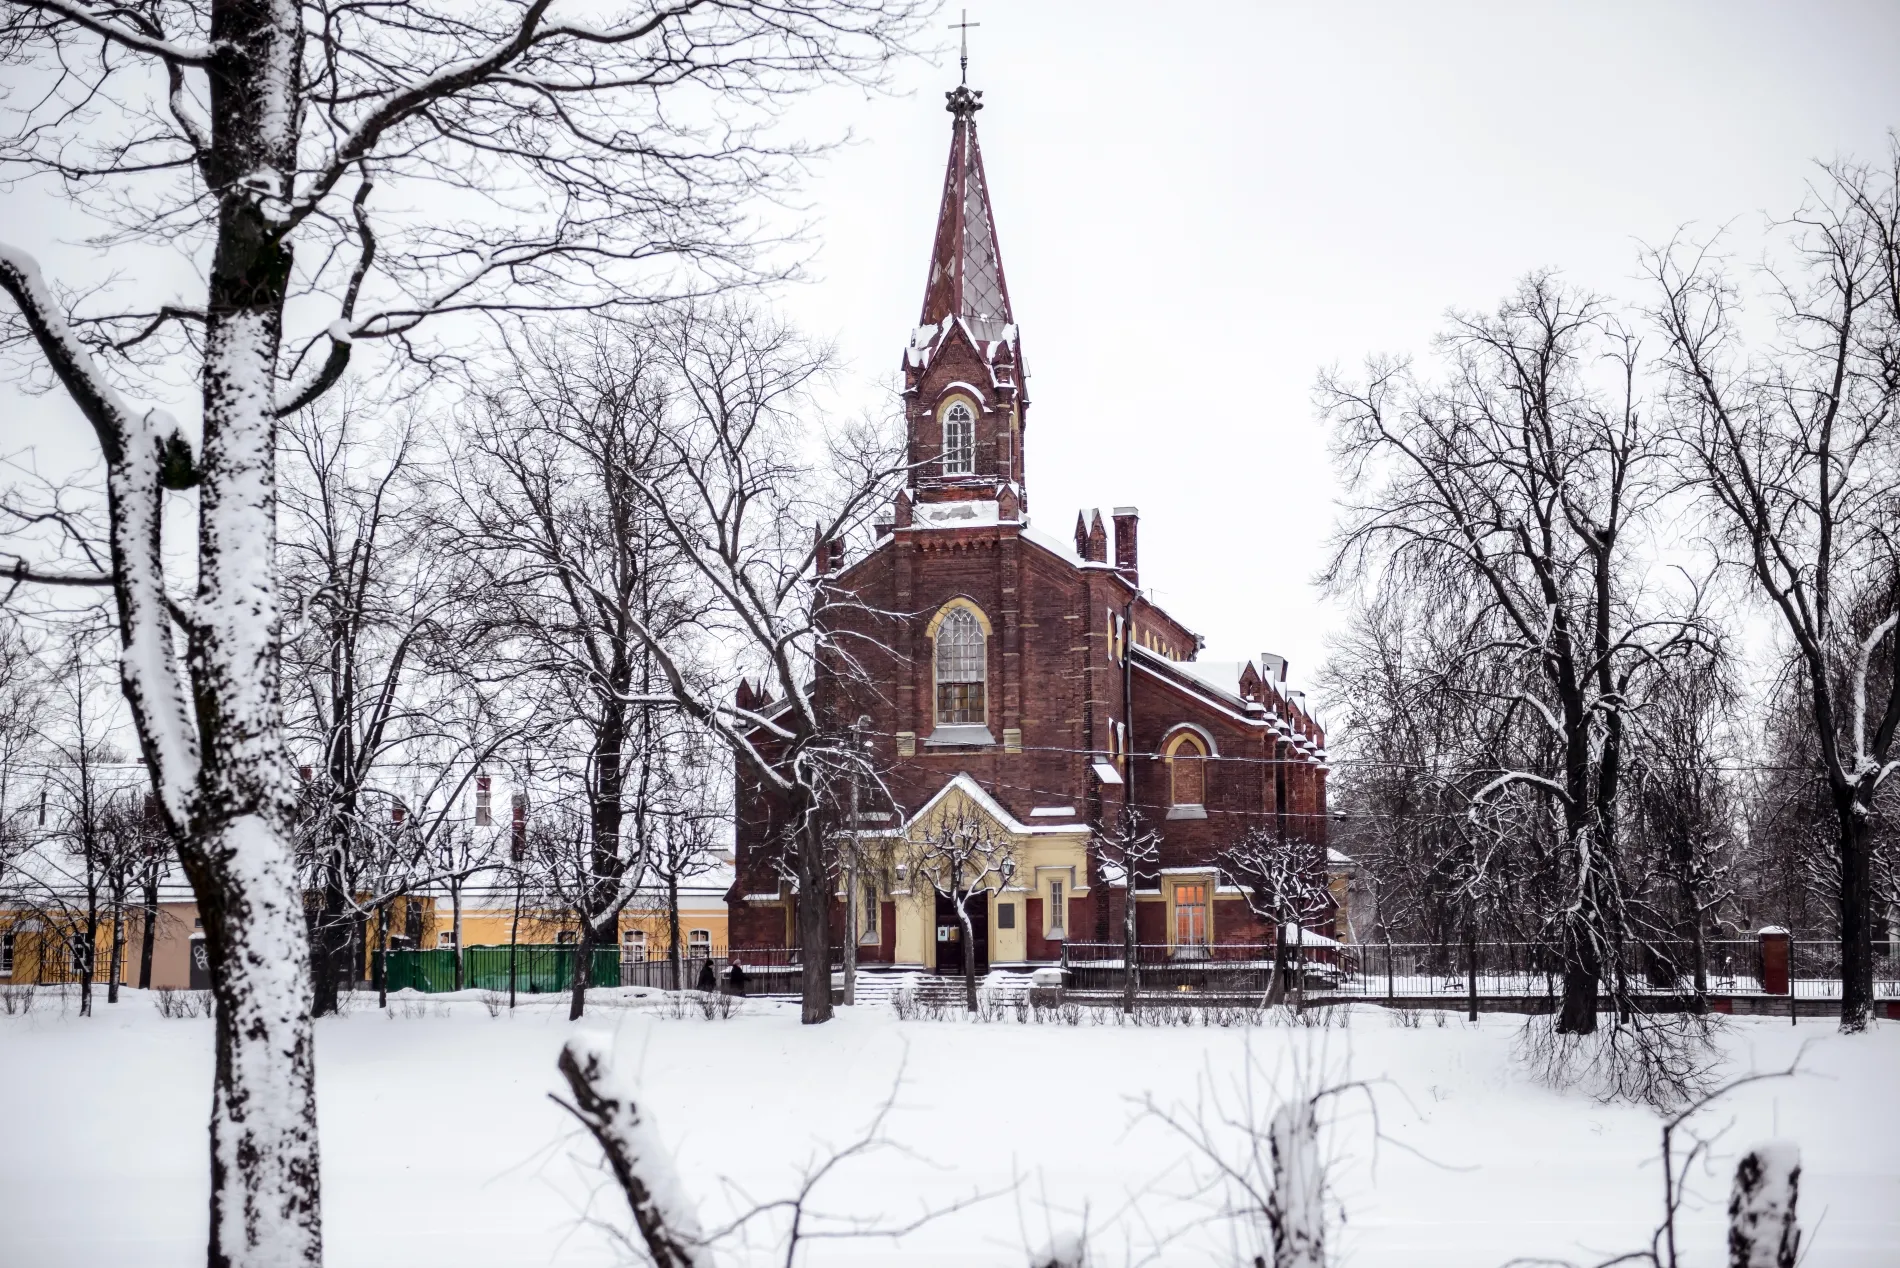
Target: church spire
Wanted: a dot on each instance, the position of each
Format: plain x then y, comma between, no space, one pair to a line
966,269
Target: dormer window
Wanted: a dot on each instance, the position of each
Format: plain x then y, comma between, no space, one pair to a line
959,440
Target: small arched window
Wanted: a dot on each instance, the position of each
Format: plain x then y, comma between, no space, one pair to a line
959,440
961,669
1187,771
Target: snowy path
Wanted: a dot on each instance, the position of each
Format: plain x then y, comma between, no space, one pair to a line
439,1145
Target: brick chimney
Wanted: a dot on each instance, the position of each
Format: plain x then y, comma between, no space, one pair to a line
828,553
1097,543
1127,520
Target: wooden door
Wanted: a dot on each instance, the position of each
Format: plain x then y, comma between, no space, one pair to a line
949,935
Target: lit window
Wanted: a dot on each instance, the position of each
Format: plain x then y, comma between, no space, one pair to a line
1190,915
1058,910
633,945
960,669
1187,771
699,943
959,440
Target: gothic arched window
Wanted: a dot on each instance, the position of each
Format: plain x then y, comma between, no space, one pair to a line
959,440
961,669
1187,771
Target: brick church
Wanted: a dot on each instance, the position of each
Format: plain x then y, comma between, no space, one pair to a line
1032,685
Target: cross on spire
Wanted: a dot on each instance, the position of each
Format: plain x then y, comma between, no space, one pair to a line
963,31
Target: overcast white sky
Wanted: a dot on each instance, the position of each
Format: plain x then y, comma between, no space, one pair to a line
1201,205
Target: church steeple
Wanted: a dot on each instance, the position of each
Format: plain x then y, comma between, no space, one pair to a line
966,268
963,370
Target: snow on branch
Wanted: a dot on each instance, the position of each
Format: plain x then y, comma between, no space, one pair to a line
605,1105
143,36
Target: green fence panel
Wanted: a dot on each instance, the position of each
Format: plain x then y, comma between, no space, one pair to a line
421,971
539,969
606,967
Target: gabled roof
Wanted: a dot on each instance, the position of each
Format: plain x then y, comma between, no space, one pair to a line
966,266
968,786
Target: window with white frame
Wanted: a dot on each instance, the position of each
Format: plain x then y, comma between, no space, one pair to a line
445,939
962,666
633,945
699,944
867,912
959,440
1058,914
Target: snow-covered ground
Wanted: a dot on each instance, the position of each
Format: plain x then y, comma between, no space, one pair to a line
440,1145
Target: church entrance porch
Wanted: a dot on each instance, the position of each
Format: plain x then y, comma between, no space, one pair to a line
949,931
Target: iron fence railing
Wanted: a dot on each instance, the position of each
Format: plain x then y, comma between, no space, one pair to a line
1455,970
1219,968
658,972
773,970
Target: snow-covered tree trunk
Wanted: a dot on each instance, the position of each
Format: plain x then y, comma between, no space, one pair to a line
264,1193
1295,1207
1762,1230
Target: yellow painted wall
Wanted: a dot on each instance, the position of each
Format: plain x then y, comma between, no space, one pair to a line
40,956
1036,856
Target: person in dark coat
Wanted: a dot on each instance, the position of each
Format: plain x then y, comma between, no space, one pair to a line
707,982
735,976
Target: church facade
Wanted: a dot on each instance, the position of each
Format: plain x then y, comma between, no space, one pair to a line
1028,685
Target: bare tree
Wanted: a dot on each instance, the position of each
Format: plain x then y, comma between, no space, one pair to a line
585,162
88,859
1129,851
458,853
386,642
719,400
1516,492
1284,880
1796,445
1686,815
958,852
555,492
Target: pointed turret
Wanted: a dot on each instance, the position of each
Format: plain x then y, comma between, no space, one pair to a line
963,370
966,268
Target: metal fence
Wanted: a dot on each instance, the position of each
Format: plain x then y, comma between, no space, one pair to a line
541,968
658,973
1219,969
775,970
1500,969
1814,970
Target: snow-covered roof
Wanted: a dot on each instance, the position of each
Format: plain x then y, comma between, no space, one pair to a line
1222,675
992,807
965,514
